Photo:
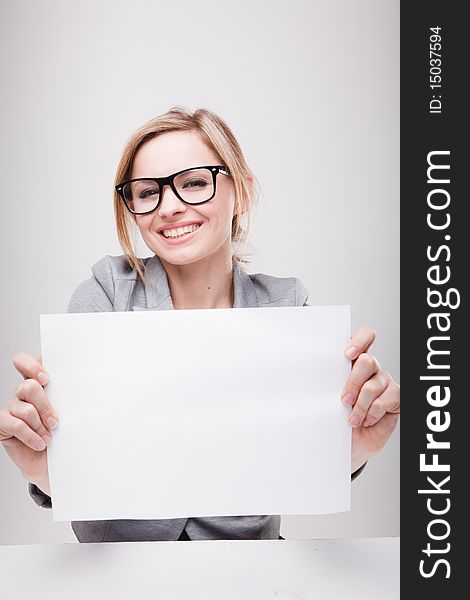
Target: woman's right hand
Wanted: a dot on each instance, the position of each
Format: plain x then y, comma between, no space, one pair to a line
26,421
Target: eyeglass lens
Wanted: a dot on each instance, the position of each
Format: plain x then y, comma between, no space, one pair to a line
192,186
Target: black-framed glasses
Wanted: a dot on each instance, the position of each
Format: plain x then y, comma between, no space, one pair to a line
192,186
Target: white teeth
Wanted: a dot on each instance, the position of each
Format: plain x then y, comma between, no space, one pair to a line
180,231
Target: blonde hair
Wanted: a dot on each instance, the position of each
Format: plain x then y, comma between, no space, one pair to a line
219,137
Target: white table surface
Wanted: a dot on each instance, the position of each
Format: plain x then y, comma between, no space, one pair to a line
224,569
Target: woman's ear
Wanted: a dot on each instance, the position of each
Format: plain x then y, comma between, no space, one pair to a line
251,183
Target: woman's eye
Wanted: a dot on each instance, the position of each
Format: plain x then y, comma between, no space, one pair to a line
195,183
148,193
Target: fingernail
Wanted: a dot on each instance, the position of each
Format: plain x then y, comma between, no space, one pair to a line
47,439
40,445
348,399
43,378
51,422
367,422
351,352
355,420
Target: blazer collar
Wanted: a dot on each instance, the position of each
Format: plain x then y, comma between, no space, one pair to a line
158,292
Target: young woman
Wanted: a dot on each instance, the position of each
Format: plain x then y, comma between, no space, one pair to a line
184,182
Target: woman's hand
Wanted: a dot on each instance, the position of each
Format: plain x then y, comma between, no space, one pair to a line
26,421
374,397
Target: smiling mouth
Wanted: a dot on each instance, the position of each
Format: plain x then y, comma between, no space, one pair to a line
181,235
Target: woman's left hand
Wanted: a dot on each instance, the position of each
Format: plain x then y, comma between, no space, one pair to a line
374,397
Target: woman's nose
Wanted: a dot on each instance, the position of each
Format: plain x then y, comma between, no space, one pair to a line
169,201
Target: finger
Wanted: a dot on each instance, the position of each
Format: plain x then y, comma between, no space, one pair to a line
17,428
370,391
364,368
28,413
387,402
361,341
30,368
31,391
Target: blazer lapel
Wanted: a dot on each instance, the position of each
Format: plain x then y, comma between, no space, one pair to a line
158,292
243,288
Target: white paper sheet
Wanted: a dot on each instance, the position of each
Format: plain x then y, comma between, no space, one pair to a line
187,413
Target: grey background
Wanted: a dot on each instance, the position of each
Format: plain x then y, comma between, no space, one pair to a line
311,90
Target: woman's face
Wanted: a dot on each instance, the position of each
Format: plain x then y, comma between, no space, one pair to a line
164,155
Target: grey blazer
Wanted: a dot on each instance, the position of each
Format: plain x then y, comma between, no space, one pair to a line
114,286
